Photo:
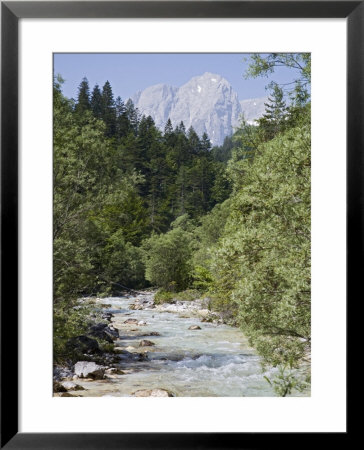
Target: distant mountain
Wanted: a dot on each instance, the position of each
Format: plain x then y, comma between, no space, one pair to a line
253,108
208,103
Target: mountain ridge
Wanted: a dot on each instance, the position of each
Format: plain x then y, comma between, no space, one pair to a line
206,102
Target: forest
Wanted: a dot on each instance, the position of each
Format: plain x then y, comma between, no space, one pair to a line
139,208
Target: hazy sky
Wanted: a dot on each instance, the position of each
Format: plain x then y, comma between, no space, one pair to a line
129,73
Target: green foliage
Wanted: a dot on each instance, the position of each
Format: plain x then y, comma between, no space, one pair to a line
287,381
246,140
264,65
69,320
168,259
274,120
262,265
188,295
123,262
95,203
96,102
202,279
108,111
207,235
163,296
83,99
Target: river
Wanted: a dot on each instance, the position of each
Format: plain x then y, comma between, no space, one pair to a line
215,360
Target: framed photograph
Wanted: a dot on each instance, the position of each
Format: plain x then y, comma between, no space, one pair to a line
181,218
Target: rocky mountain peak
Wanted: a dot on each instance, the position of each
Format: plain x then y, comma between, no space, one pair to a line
206,102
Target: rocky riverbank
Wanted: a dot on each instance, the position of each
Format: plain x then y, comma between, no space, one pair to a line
198,308
135,347
100,362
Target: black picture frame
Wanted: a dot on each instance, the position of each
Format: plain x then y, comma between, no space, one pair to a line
11,12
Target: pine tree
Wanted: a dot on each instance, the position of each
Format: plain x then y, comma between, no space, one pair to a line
273,121
108,110
132,115
168,129
83,98
122,122
181,129
193,141
205,143
96,102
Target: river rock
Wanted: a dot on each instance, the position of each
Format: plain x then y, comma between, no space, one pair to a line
152,393
83,344
104,332
131,321
194,327
70,386
146,343
107,316
152,333
129,348
89,369
142,322
61,373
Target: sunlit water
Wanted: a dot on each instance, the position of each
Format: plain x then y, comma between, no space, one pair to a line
213,361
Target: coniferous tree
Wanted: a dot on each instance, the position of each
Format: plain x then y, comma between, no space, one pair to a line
83,98
132,115
181,129
168,129
122,122
108,110
193,141
274,118
96,102
205,143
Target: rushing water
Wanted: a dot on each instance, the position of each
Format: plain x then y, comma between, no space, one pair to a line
213,361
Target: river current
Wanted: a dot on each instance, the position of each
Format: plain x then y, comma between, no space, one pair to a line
215,360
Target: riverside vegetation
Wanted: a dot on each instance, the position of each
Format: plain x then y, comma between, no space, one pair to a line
137,208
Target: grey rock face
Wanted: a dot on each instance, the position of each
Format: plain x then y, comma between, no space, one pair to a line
156,101
253,108
208,103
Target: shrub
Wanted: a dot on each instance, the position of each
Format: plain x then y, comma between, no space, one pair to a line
168,259
163,296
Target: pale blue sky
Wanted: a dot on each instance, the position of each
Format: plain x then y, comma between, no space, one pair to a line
129,73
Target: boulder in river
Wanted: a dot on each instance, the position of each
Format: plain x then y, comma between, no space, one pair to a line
83,344
104,332
70,386
89,369
61,373
194,327
107,316
152,393
142,322
152,333
146,343
131,321
130,348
